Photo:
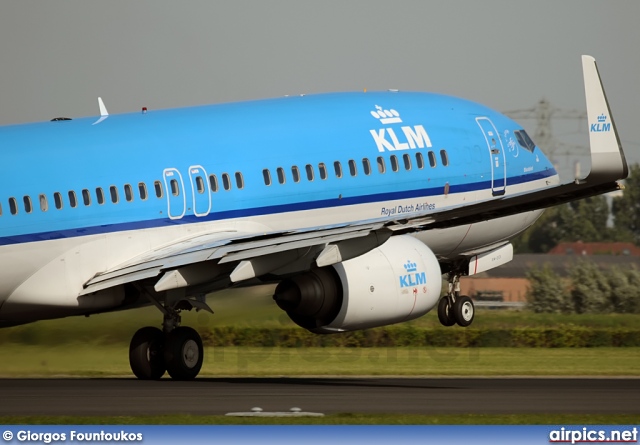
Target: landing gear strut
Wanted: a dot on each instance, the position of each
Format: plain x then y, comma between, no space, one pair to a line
455,308
178,350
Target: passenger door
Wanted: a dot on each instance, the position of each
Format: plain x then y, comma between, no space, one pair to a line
496,155
199,191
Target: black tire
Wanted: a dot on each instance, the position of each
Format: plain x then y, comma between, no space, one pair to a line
445,315
183,353
464,311
146,354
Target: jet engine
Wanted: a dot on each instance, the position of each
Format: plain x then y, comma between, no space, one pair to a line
396,282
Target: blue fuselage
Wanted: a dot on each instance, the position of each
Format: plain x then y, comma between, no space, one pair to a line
254,158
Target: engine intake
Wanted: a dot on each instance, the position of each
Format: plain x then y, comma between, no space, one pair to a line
311,299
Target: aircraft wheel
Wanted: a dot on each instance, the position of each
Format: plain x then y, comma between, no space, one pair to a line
146,353
463,311
183,353
445,314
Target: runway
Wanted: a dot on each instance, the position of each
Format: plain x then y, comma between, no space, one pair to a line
327,395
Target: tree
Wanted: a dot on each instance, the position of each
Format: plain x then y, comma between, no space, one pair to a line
625,290
588,223
546,292
626,208
590,289
550,229
584,220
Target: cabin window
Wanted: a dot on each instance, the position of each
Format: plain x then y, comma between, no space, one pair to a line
213,183
420,160
407,161
309,169
394,163
337,166
444,157
295,172
366,166
27,204
352,167
113,190
266,174
142,190
432,159
226,182
13,206
57,199
157,185
381,164
128,192
86,197
323,170
44,205
175,189
200,184
73,201
281,178
100,195
239,180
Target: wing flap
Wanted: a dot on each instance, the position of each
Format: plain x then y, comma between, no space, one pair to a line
223,247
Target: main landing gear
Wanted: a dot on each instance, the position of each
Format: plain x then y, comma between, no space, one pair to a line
455,308
176,349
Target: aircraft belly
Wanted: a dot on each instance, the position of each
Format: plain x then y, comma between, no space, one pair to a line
452,242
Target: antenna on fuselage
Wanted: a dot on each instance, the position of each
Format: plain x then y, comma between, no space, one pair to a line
103,111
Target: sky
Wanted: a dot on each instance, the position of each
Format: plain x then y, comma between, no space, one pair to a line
57,57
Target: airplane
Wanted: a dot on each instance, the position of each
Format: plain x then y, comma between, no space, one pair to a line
355,204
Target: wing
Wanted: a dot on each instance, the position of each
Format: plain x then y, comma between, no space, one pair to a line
235,256
251,255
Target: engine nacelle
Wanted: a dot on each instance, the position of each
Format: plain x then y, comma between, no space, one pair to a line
396,282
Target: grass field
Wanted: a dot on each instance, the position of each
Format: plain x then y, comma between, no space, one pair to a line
112,360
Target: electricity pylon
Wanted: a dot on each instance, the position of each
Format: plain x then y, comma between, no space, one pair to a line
543,112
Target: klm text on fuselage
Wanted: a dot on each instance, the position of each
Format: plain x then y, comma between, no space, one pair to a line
414,137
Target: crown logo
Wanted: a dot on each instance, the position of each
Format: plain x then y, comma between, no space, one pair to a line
410,267
386,116
602,118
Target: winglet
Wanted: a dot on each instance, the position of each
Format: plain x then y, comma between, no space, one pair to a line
608,162
103,109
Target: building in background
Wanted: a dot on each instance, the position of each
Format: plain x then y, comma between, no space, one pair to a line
509,283
605,248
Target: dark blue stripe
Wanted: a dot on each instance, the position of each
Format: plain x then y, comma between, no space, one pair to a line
266,210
